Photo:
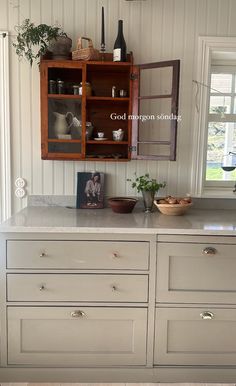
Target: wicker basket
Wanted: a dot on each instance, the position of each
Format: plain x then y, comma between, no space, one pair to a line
88,53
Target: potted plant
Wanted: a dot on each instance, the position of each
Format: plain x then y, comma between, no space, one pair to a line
148,187
34,41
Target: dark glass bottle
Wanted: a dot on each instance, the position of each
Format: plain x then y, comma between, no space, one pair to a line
119,52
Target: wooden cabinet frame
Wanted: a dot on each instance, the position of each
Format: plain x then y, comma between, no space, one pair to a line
98,108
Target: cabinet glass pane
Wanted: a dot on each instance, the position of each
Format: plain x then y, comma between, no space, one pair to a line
64,147
64,118
156,81
155,120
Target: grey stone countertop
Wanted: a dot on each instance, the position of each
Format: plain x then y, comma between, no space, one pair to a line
66,220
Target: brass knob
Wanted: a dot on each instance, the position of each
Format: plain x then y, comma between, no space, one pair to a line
115,255
43,254
42,287
114,288
209,251
78,314
207,315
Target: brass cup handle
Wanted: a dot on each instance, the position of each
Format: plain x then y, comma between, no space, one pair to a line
207,315
43,254
78,314
209,251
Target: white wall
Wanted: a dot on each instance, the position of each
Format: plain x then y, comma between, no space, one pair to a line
154,30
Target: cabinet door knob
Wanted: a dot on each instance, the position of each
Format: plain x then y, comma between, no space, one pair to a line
42,288
115,255
43,254
207,315
114,288
209,251
78,314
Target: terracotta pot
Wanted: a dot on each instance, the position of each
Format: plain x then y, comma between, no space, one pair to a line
122,204
60,48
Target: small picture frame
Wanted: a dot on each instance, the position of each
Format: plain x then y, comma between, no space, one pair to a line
90,190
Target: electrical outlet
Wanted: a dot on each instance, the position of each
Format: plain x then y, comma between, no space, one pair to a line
20,182
20,192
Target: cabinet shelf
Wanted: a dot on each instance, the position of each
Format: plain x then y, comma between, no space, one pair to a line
109,142
103,98
64,96
64,140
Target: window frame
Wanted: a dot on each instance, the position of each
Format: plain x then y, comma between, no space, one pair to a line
5,154
206,46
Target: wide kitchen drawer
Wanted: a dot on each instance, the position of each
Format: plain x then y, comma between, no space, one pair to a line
196,273
77,287
83,337
195,336
77,254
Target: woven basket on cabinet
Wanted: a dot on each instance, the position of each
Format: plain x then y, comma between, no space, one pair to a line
89,53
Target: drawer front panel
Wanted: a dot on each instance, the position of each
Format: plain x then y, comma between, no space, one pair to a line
77,287
195,336
96,337
193,273
77,254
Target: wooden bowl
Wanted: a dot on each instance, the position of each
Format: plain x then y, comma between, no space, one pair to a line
173,209
122,204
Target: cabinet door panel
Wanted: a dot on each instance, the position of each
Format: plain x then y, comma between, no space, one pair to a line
202,273
77,287
99,337
77,254
183,337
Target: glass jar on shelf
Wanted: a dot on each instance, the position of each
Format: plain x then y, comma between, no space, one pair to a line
88,88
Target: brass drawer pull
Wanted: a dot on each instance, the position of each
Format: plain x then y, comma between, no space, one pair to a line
43,254
42,288
78,314
115,255
207,315
209,251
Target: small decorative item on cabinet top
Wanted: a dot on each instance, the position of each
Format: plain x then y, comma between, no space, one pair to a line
90,190
89,53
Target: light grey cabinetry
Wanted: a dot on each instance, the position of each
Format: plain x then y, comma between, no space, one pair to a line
195,321
76,336
77,303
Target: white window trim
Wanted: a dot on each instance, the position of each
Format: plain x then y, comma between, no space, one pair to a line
206,44
5,160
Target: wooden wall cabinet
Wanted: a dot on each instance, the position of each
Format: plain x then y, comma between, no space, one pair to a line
147,94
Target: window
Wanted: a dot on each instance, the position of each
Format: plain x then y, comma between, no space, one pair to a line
221,141
214,135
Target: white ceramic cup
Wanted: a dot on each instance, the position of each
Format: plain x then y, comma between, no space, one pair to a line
100,134
118,135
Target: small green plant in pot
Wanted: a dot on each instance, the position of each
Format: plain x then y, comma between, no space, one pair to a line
33,41
148,187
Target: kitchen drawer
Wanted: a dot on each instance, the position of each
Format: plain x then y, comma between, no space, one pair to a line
77,254
183,337
77,287
196,273
84,337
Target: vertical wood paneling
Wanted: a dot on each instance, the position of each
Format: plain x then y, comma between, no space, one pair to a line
154,30
47,172
37,164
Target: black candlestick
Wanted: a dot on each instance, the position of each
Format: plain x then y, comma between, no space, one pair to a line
103,46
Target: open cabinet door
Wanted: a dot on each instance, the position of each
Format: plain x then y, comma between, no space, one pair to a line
155,110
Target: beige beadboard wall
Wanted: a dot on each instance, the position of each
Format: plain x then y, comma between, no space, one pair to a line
154,30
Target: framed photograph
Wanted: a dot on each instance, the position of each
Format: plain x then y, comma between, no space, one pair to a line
90,190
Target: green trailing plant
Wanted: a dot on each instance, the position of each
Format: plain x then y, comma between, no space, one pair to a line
32,41
146,183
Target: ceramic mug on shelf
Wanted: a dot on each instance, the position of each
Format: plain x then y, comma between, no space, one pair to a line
118,135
